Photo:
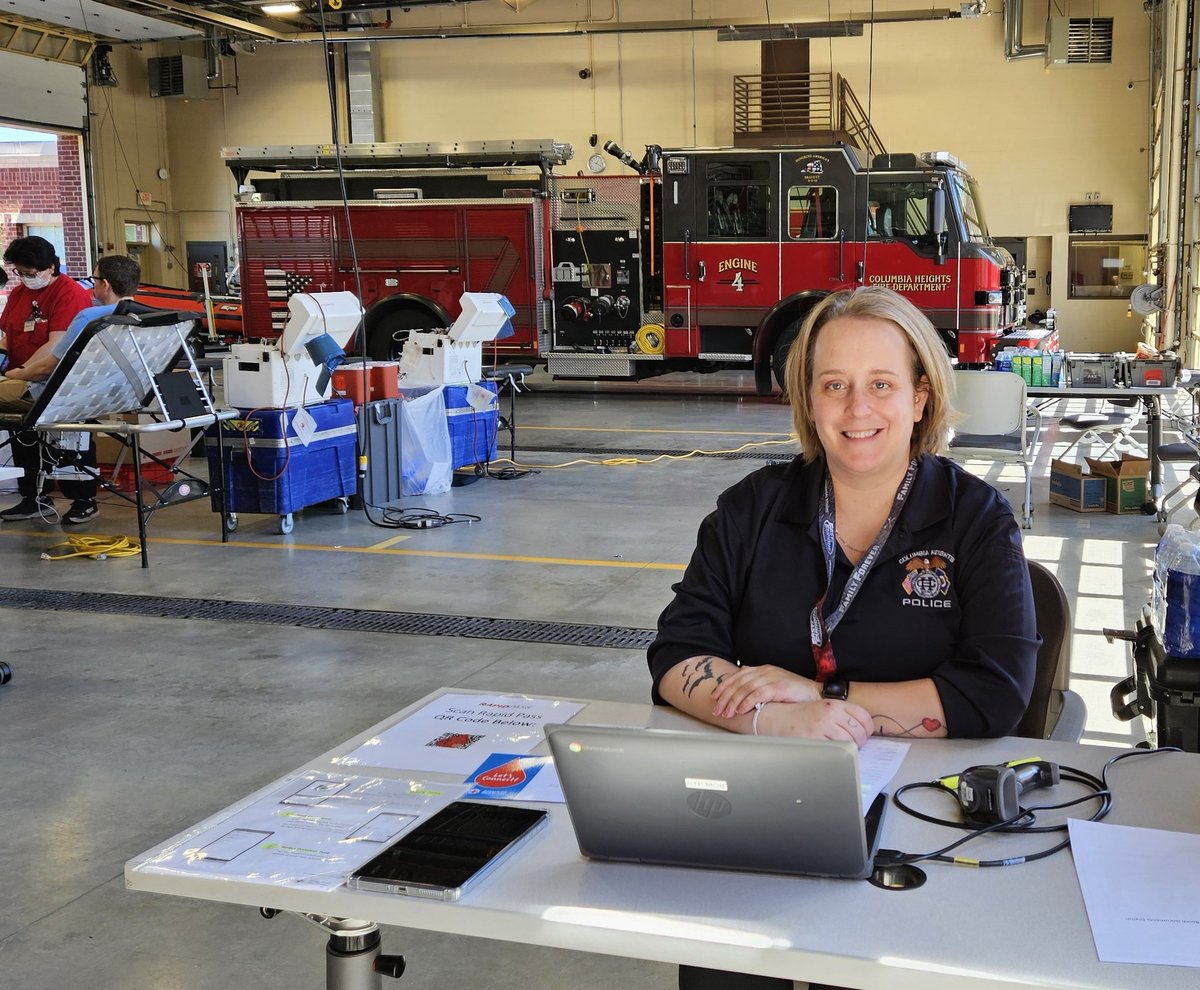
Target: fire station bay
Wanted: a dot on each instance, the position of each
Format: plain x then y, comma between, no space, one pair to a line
539,494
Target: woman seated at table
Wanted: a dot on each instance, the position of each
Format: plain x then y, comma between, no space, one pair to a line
867,587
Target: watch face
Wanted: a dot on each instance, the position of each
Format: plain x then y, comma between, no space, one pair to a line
596,163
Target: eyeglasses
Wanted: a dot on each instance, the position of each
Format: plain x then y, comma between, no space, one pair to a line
22,272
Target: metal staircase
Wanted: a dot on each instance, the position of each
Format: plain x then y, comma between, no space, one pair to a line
800,108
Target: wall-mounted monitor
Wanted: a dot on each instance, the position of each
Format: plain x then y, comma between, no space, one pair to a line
1090,218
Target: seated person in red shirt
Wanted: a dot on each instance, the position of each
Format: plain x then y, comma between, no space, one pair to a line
43,303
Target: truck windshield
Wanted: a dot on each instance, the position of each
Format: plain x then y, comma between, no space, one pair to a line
971,205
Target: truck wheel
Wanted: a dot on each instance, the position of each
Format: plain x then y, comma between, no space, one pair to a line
783,344
388,328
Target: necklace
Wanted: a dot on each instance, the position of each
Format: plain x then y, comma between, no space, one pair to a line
849,546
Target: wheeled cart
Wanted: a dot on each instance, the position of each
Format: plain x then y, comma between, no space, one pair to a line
269,469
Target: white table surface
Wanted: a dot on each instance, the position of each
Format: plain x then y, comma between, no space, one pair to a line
1021,926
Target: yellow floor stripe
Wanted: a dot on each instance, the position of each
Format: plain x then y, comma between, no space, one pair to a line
444,554
522,427
385,549
383,545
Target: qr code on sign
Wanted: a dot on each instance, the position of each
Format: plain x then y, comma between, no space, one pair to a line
454,740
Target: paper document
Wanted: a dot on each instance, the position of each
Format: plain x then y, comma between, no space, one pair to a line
456,732
309,832
1139,887
878,761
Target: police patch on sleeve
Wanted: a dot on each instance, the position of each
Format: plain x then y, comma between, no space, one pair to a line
926,581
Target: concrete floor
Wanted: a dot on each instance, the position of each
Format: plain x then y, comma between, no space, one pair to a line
116,733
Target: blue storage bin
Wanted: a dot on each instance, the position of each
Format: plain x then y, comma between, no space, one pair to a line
472,434
1176,600
269,470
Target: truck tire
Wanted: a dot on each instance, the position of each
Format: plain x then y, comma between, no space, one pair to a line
783,344
388,324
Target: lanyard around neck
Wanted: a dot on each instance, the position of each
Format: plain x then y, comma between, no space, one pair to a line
820,627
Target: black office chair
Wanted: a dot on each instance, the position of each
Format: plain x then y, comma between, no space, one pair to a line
1054,710
1183,451
1113,429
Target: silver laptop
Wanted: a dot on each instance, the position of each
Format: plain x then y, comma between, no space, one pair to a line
716,800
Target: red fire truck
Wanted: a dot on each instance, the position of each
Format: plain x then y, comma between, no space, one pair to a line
698,260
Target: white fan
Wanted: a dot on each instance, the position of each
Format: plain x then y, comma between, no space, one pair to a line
1146,299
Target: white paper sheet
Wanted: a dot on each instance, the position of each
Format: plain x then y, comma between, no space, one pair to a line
309,832
878,761
456,732
1139,886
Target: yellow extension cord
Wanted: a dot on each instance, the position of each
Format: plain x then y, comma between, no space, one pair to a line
95,547
620,461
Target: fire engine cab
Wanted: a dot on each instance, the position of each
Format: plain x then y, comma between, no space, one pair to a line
697,260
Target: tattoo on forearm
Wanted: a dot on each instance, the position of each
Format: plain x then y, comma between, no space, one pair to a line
924,727
698,671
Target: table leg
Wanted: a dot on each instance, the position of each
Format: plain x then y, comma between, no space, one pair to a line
512,418
1154,438
352,957
137,494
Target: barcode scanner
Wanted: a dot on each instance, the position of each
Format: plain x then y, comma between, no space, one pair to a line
989,795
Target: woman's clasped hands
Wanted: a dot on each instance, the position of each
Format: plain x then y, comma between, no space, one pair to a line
792,706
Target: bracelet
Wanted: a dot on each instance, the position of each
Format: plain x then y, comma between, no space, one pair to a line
757,711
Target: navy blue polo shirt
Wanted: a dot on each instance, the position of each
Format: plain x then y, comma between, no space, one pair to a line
949,597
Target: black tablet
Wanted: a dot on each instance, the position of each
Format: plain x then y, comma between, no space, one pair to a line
443,856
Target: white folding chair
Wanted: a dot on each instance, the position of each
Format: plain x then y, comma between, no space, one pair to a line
996,424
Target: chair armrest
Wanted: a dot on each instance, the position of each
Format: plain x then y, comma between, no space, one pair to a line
1071,720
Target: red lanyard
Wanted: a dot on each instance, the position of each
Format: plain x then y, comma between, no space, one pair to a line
820,627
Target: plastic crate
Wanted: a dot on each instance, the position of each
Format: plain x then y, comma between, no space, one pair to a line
472,434
268,469
1091,370
1153,372
122,478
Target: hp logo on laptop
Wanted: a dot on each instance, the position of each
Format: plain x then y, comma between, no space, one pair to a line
706,804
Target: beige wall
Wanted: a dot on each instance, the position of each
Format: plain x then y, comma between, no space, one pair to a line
1036,139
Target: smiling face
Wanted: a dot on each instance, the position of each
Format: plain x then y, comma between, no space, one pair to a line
863,400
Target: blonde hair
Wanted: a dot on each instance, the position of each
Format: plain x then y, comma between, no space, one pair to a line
929,360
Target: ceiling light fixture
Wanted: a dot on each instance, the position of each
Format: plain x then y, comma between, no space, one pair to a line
280,8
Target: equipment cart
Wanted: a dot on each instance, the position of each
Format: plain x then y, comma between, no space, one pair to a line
270,469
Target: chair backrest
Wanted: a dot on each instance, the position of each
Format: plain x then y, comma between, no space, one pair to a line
1054,655
990,403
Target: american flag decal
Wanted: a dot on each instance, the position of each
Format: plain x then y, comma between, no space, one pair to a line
281,286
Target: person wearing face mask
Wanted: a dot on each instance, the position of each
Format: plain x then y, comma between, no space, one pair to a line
43,302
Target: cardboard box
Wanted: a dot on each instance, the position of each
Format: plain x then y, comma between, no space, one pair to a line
167,445
1073,488
1124,482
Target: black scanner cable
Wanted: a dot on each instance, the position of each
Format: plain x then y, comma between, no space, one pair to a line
1024,821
